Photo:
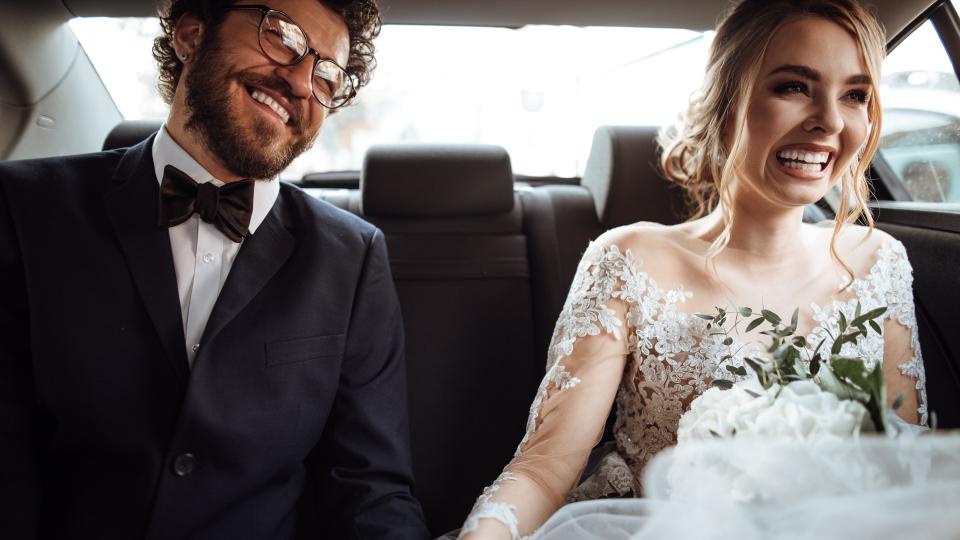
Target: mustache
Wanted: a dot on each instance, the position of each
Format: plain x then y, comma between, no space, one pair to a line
283,89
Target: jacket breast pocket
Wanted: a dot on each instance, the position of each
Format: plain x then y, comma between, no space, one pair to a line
303,349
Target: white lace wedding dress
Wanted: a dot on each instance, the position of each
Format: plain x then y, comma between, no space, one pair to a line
622,339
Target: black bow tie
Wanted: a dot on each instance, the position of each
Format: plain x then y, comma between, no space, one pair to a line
227,208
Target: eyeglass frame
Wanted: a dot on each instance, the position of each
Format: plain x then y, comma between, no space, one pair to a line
265,12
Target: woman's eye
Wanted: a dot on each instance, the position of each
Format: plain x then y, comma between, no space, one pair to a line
859,96
793,87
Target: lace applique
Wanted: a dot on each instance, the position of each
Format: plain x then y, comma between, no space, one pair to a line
889,283
485,508
612,478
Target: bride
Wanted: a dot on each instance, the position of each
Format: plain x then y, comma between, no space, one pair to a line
788,110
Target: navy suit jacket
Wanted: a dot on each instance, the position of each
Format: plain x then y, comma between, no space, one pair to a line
292,422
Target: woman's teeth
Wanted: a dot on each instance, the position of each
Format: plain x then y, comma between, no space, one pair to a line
804,161
270,102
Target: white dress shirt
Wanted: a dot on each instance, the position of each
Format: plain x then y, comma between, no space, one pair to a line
202,255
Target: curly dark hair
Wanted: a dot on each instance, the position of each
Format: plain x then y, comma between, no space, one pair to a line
362,18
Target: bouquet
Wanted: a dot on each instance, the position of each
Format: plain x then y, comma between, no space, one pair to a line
828,395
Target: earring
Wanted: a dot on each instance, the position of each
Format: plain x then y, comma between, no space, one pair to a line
183,56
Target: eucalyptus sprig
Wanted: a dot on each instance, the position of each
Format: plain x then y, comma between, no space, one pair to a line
848,377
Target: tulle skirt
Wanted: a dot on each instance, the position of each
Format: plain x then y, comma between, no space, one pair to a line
870,487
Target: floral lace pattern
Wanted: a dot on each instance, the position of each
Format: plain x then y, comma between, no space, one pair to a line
673,357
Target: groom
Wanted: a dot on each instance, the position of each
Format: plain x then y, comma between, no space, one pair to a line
189,349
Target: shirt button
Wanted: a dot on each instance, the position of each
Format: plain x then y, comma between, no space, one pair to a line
208,258
183,465
196,347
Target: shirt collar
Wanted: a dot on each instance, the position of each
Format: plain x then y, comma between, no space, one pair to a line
166,151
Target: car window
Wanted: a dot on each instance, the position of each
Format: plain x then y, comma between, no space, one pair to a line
920,139
538,91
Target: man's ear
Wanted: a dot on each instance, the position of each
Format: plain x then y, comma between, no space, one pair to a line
187,36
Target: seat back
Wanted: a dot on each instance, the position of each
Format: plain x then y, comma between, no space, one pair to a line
622,175
458,252
130,132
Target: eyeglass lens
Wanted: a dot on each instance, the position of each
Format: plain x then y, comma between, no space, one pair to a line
286,43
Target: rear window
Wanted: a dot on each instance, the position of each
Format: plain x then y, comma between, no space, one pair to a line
538,91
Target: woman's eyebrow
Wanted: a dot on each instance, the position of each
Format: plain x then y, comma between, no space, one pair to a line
814,75
803,71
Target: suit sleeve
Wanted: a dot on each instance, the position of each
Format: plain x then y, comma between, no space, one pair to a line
366,471
19,477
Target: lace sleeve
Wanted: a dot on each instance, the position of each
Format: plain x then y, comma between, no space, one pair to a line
901,349
585,364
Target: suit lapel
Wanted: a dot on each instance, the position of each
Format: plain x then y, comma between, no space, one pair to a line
132,210
260,257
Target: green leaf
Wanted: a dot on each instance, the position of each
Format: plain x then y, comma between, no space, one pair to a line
754,323
853,370
794,319
829,382
745,311
798,366
843,323
728,341
704,316
715,434
737,370
760,370
770,316
799,341
856,314
723,384
898,402
876,327
751,392
815,365
837,345
878,399
869,316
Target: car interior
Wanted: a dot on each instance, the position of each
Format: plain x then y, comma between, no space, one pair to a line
482,256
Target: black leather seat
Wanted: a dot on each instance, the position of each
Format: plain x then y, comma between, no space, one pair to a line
459,255
130,132
623,176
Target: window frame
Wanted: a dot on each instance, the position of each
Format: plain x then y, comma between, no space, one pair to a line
887,186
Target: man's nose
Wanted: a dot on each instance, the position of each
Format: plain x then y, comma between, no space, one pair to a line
299,76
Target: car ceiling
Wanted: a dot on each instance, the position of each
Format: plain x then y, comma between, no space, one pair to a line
36,48
690,14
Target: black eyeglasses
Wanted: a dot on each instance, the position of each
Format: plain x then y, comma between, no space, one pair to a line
284,42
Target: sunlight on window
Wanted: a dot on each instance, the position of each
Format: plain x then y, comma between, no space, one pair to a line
538,91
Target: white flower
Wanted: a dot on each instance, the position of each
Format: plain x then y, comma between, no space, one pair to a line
723,413
797,411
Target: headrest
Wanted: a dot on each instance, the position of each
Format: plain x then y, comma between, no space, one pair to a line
623,176
130,132
416,181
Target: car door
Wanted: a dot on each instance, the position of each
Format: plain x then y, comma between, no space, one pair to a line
917,185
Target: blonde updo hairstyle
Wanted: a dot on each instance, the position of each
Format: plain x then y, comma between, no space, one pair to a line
694,155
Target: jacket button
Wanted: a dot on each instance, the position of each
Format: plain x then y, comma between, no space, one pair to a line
183,464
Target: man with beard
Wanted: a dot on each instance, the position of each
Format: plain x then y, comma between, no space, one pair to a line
189,349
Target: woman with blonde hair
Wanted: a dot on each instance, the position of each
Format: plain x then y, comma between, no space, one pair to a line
788,110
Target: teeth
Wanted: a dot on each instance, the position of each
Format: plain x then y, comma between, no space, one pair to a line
809,167
270,102
816,158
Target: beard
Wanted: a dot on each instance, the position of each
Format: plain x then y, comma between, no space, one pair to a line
243,147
